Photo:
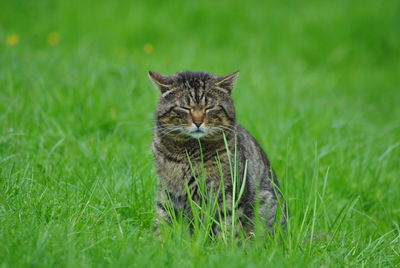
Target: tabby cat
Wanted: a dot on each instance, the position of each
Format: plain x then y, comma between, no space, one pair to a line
195,124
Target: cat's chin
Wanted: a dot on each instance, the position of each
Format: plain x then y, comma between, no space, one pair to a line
197,134
209,133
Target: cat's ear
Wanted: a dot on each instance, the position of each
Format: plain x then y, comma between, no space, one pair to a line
164,82
227,81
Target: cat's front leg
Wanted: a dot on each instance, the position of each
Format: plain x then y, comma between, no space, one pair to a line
162,214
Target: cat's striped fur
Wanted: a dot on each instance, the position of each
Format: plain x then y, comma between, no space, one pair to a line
194,111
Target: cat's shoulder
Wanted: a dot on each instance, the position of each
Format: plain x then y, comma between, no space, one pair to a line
246,139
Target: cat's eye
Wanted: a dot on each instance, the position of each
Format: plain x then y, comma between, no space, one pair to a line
186,109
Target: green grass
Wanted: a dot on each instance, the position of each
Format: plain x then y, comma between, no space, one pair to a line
319,89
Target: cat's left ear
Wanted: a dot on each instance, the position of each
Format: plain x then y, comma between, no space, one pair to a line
164,82
227,82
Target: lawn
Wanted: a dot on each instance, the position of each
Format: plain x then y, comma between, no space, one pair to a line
318,88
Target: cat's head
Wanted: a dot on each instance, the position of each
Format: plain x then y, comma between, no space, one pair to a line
195,104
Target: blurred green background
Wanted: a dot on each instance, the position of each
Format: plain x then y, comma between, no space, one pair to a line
319,88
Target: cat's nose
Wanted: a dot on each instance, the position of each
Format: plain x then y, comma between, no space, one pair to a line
198,118
198,122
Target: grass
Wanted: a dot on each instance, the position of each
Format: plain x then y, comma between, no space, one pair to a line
318,89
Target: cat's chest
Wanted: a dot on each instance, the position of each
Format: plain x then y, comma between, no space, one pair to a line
177,174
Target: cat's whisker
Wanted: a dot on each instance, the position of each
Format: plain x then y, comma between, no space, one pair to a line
224,129
169,130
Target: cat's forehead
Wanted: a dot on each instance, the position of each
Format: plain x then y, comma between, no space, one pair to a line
190,87
196,80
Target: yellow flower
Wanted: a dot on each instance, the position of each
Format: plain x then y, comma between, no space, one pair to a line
12,40
148,49
53,39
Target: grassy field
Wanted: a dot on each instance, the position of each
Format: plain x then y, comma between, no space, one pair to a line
319,88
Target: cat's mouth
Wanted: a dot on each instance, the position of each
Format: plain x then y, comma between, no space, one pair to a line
198,133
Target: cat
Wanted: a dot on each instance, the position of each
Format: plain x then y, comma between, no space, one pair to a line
195,125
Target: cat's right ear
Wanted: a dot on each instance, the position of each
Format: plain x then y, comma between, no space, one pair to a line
227,81
164,82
